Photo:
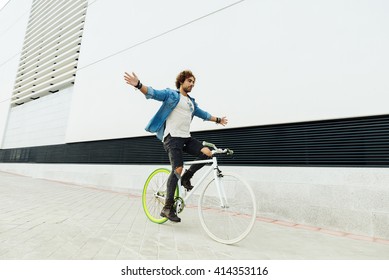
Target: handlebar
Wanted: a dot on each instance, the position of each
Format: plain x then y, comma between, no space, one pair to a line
217,150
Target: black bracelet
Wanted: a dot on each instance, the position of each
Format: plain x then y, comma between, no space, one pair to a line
218,120
139,85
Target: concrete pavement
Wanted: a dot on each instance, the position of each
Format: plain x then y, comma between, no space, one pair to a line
42,219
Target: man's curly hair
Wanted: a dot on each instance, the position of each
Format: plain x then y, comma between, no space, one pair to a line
183,76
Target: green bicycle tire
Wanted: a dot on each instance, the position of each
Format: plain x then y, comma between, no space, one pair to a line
152,205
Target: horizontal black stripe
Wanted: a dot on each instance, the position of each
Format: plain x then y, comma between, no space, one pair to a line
351,142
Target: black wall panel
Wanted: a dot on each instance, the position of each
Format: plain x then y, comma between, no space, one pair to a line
351,142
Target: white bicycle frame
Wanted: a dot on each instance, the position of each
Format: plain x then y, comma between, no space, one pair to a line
216,174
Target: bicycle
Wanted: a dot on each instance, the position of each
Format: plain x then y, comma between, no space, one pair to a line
226,207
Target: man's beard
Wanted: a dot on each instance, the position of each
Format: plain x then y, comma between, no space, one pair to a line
187,89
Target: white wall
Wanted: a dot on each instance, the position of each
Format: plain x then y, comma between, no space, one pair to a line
39,123
258,62
13,24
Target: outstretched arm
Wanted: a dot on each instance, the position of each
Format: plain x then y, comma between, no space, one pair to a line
134,81
207,116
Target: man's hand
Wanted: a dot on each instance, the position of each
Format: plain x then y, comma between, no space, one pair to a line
131,79
223,121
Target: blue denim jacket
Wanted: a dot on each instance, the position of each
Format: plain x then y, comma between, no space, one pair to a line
170,99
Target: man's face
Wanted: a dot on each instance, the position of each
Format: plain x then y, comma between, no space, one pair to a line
188,84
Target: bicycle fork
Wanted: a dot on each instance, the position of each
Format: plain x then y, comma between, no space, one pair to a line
220,188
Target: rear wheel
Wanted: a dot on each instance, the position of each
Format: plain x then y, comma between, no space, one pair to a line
154,194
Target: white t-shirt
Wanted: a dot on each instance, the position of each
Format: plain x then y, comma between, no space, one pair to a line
178,122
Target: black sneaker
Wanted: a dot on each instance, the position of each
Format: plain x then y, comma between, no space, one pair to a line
169,213
185,180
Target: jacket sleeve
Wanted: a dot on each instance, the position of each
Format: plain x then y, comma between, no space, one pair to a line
155,94
202,114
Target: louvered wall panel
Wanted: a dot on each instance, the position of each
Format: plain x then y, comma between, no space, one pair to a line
345,142
353,142
51,49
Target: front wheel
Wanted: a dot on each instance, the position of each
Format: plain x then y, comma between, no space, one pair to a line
154,195
228,214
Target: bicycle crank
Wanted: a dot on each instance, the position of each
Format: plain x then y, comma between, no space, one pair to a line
179,204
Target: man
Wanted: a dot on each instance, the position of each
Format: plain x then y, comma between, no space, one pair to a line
172,125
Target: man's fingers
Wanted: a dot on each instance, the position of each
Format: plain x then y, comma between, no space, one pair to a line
130,79
127,75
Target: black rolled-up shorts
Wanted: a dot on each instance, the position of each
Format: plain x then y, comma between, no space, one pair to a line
175,146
